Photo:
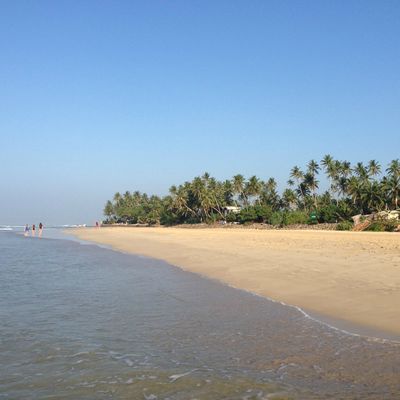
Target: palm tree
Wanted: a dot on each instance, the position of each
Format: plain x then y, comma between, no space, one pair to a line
298,175
290,182
228,192
355,190
327,162
312,184
253,187
289,199
374,168
313,168
269,195
393,182
109,209
180,200
331,169
238,182
345,169
361,171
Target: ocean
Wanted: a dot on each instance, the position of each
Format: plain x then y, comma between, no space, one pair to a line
80,321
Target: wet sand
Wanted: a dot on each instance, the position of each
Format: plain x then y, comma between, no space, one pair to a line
349,276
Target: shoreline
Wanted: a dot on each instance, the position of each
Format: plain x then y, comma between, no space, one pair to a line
344,279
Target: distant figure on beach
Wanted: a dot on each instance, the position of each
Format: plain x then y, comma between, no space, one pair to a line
40,229
26,230
97,224
33,230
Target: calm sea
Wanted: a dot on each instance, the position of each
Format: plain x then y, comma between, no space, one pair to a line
83,322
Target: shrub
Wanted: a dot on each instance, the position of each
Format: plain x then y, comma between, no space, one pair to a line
247,215
169,218
276,218
382,226
231,217
263,213
295,217
344,226
391,226
376,227
328,213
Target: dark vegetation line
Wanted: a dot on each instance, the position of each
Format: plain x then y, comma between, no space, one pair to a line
353,189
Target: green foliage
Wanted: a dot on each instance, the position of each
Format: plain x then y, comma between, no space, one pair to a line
231,217
263,213
382,226
357,189
376,227
247,215
295,217
344,226
328,213
277,218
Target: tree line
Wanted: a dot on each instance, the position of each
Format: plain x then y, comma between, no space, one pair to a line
353,189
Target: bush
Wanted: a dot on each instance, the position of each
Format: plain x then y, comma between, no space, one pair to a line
169,218
344,226
263,213
276,218
231,217
376,227
391,226
382,226
295,217
328,214
247,215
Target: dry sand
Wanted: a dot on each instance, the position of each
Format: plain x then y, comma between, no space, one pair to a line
348,276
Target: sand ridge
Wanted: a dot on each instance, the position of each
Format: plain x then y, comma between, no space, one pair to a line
351,276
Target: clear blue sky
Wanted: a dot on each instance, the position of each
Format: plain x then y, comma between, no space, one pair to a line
105,96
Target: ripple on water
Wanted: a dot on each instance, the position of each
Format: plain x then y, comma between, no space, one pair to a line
85,322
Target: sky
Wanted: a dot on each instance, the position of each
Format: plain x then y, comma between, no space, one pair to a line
104,96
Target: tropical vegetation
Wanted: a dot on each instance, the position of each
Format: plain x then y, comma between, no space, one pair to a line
352,189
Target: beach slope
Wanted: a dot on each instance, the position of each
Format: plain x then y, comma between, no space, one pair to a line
352,277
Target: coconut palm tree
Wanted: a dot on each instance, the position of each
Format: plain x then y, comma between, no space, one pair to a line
179,196
238,183
253,188
312,184
327,162
289,199
313,168
393,182
298,175
268,194
108,209
361,171
374,168
355,190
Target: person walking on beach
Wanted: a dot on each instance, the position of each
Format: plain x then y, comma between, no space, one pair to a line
40,229
26,230
33,230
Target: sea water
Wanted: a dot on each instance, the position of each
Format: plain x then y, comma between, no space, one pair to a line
85,322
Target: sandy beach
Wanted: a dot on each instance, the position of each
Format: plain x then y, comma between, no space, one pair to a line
346,276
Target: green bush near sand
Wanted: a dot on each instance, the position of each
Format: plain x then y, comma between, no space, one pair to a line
382,226
266,215
345,226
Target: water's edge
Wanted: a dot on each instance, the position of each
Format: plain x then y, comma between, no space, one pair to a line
334,323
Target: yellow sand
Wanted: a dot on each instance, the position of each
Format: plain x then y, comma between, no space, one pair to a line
352,276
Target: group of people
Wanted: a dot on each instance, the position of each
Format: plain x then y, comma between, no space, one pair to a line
27,229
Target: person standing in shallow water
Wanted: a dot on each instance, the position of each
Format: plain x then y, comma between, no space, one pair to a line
26,230
33,230
40,229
